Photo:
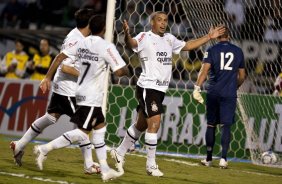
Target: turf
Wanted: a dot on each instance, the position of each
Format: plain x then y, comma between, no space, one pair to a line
65,166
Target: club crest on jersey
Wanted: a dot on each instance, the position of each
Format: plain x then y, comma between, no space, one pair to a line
169,42
206,55
154,106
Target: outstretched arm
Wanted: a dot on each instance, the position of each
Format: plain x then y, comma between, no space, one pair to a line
203,74
46,82
201,78
213,33
70,70
129,41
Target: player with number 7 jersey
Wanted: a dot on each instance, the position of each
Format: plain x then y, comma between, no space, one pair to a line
92,54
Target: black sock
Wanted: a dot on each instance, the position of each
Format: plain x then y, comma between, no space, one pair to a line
210,140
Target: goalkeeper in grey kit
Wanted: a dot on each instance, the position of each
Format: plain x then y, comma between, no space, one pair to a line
225,64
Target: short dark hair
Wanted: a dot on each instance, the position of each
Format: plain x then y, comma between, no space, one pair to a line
19,41
82,17
226,33
97,23
153,15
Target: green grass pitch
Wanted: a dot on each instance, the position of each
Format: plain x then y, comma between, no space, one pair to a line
65,166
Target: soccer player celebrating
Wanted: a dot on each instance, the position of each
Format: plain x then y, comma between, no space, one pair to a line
155,50
225,64
63,96
92,54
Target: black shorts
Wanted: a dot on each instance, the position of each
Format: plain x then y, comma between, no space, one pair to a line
220,110
150,101
87,117
62,104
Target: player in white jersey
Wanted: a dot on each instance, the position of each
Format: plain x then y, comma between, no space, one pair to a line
154,49
93,54
63,96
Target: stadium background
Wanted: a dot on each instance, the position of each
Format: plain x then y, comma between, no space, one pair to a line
53,19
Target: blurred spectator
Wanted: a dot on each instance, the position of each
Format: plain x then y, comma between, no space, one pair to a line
236,15
11,13
278,86
273,31
248,85
99,6
39,65
14,63
255,13
50,12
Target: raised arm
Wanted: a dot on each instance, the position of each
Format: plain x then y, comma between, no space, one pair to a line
213,33
46,82
129,41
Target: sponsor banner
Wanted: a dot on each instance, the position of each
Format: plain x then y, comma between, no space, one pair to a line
21,103
184,122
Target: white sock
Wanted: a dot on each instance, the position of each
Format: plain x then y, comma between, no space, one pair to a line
98,139
66,139
86,151
151,140
57,143
26,138
129,139
35,129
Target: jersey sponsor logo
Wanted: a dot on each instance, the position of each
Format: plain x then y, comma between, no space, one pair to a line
80,98
68,45
154,106
169,42
141,37
72,44
163,59
162,83
206,55
87,55
21,102
112,56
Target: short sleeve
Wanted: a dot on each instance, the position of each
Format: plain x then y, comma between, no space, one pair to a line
113,58
207,56
242,60
177,45
140,38
70,47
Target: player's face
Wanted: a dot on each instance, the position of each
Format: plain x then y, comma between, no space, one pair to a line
44,47
159,24
19,47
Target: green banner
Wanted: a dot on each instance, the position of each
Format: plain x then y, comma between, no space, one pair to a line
184,122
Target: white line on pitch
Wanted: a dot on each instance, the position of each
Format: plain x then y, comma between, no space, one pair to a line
35,178
195,164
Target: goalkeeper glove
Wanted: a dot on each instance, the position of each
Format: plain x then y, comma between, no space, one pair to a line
197,94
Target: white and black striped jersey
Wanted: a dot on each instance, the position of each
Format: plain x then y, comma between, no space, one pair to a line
155,55
65,84
92,55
